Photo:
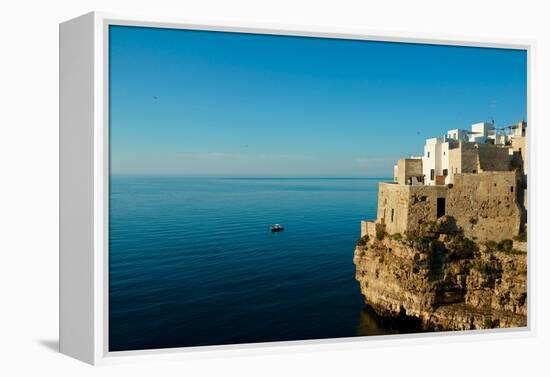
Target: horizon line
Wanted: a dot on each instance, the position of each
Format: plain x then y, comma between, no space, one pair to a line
223,176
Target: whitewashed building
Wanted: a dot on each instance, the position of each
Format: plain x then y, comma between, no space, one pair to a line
435,161
480,132
458,134
518,130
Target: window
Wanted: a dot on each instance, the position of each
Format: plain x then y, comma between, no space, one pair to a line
432,174
445,172
440,207
392,215
423,198
428,154
511,188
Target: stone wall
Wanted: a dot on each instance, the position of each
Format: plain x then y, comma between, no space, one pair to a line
493,158
519,145
407,168
423,205
475,158
410,205
393,203
370,228
469,163
520,161
463,159
483,204
364,227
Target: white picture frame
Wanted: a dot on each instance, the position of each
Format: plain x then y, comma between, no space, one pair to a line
84,175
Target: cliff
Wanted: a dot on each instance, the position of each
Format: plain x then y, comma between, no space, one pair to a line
444,279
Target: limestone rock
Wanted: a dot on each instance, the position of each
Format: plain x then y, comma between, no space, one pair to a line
446,282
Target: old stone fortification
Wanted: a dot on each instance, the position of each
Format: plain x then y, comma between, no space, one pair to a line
475,158
445,279
520,162
483,204
407,168
463,159
492,158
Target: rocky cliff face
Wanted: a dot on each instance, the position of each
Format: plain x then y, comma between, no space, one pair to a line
446,280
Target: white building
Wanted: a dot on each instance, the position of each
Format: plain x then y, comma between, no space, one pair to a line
480,132
504,136
458,134
498,138
435,162
518,130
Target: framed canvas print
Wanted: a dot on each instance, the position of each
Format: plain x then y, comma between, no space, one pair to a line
228,187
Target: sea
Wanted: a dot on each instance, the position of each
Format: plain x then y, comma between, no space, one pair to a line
193,261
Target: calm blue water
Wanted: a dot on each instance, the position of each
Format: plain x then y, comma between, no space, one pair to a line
193,262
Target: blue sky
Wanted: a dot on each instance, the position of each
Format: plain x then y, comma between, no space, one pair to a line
229,104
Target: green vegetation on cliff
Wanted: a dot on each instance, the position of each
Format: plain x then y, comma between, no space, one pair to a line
445,279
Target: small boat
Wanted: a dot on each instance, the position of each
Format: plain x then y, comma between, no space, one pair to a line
277,228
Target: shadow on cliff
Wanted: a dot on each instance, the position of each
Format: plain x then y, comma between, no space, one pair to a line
371,323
